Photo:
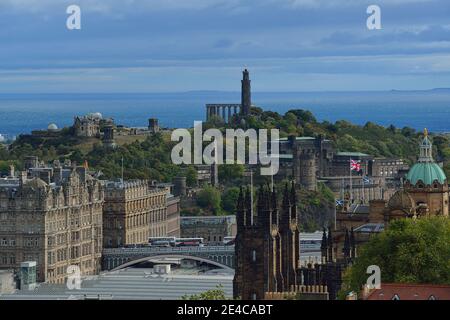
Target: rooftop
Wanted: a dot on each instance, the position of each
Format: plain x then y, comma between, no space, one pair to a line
404,291
352,154
131,284
427,172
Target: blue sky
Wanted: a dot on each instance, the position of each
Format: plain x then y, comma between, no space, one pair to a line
184,45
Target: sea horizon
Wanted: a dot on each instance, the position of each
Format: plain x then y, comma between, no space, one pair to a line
20,113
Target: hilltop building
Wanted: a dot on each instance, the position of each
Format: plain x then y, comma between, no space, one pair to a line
309,160
227,111
51,215
88,126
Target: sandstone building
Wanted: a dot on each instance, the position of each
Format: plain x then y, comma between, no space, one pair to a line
53,216
213,229
136,210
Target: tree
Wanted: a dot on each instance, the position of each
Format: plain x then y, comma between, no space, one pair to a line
191,176
230,172
213,294
409,251
229,199
209,198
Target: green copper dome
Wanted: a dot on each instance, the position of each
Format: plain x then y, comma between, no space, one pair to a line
427,172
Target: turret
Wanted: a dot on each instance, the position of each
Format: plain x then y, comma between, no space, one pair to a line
330,246
346,250
352,243
274,208
324,246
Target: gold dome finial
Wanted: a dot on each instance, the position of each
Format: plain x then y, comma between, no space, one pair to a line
425,132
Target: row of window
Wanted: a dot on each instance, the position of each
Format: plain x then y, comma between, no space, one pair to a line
137,220
27,242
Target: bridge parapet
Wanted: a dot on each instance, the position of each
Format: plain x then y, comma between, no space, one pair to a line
115,257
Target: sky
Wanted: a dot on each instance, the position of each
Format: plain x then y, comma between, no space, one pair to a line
189,45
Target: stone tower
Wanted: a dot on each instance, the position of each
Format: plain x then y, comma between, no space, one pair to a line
304,168
246,96
179,186
267,246
153,125
108,136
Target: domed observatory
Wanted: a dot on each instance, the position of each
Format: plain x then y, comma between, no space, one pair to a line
52,127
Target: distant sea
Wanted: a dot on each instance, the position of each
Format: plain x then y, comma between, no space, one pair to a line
22,113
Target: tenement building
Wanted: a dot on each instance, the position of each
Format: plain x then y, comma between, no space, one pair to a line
213,229
136,210
51,215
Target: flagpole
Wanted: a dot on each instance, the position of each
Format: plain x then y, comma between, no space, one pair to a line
271,180
122,173
251,194
351,183
363,195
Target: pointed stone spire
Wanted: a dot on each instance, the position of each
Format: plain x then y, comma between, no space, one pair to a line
274,200
286,200
352,244
330,245
293,194
324,245
240,201
346,249
275,217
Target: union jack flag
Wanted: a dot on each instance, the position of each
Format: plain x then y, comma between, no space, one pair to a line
355,165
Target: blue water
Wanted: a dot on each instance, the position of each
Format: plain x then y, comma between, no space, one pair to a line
24,113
